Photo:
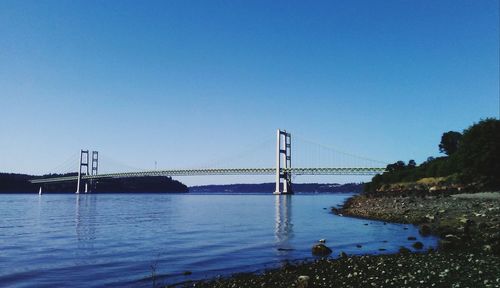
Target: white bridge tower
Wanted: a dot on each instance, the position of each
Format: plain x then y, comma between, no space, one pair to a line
283,157
84,169
84,163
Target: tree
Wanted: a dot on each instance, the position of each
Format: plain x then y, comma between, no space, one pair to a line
450,142
397,166
478,154
412,164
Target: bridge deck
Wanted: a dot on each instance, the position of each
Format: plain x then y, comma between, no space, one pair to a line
227,171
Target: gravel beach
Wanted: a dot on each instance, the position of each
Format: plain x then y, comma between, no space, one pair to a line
462,221
434,269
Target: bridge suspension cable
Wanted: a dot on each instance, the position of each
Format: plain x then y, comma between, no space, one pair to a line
66,166
313,154
249,157
110,165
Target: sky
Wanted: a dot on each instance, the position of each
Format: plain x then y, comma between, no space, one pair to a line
188,84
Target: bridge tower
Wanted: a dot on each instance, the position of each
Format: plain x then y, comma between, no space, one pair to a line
94,168
283,156
84,163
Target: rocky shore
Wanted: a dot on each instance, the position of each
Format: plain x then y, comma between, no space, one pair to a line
461,220
469,228
434,269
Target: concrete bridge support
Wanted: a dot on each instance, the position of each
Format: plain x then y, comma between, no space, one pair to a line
283,156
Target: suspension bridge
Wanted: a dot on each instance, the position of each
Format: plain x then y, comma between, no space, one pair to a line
283,170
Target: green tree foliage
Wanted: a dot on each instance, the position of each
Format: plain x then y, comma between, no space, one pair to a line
473,155
412,164
479,153
398,166
450,142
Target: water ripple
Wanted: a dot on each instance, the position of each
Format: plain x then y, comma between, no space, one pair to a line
115,240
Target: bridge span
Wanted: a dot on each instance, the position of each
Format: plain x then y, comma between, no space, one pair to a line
283,170
226,171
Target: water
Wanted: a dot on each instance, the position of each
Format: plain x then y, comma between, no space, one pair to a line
118,240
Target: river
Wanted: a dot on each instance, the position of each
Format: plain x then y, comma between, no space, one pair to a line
121,240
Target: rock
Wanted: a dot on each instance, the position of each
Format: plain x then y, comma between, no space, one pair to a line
467,221
359,245
445,244
424,230
404,250
411,238
418,245
343,255
303,281
321,250
335,211
495,248
482,226
187,273
452,238
285,249
427,218
450,241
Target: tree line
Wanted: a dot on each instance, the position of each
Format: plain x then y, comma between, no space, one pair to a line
19,183
471,159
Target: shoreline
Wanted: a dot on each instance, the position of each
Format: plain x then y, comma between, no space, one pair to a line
468,253
460,220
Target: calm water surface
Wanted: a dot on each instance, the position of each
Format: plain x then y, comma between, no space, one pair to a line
98,240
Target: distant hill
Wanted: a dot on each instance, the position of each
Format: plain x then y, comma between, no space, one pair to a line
19,183
269,187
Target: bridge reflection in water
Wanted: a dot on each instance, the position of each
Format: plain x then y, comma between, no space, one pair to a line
85,220
283,228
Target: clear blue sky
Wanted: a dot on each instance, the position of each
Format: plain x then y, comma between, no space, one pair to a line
187,82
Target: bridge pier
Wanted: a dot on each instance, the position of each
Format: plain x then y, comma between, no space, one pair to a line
283,152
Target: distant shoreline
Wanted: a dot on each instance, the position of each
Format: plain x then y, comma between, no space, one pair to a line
20,183
270,187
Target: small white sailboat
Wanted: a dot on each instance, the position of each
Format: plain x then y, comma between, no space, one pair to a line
40,191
